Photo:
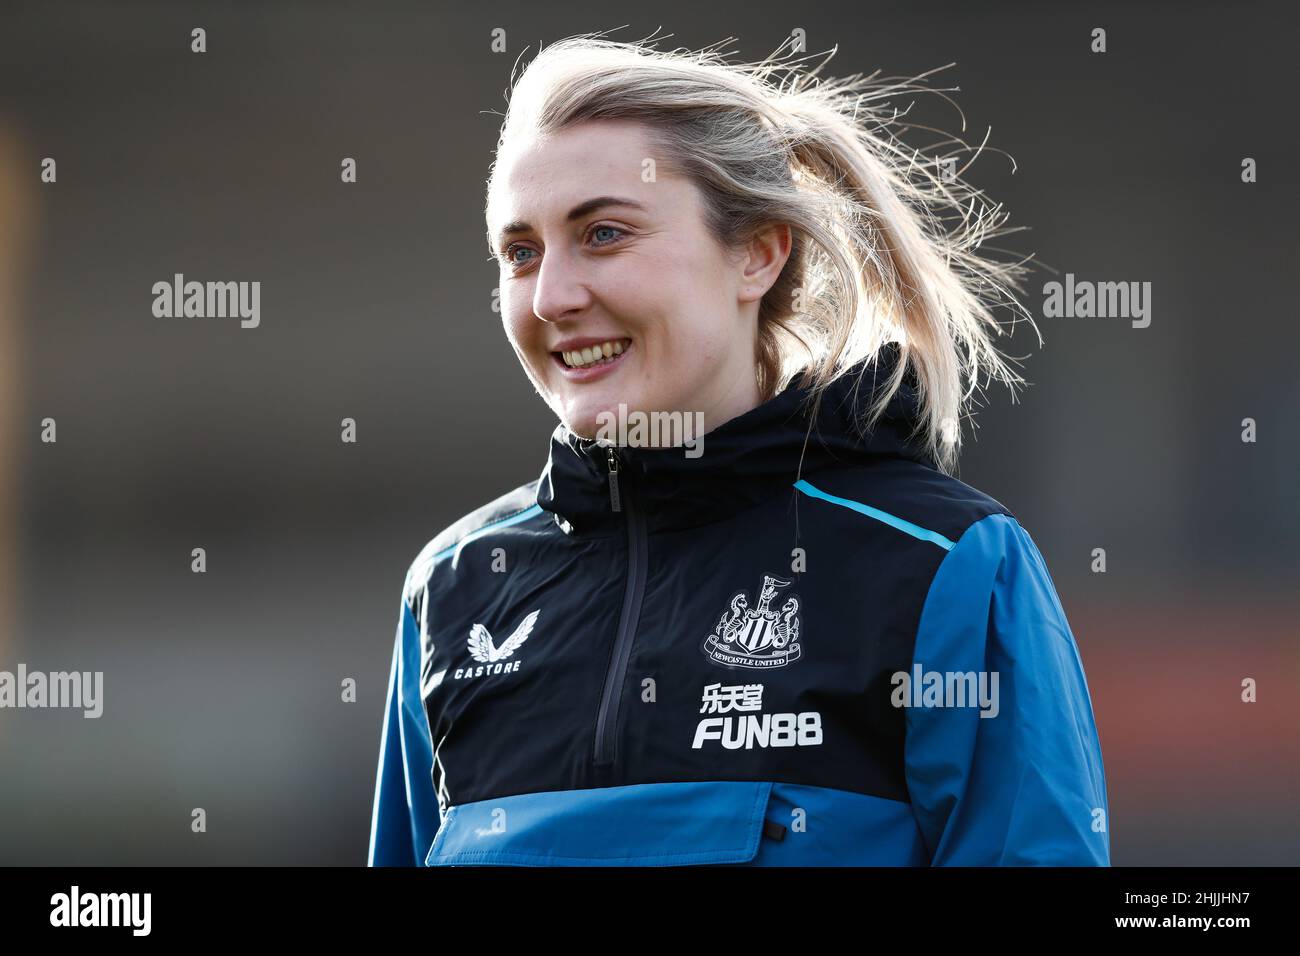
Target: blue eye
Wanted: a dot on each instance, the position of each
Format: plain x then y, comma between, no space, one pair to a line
510,251
614,229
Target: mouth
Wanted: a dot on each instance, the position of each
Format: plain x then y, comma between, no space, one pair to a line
593,359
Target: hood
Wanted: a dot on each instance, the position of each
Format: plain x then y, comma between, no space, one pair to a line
743,461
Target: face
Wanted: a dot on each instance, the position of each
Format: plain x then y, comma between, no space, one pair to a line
613,291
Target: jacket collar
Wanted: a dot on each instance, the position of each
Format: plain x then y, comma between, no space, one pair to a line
744,461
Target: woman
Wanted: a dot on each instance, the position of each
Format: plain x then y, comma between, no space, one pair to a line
793,640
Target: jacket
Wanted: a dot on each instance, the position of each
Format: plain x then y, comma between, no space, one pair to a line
798,648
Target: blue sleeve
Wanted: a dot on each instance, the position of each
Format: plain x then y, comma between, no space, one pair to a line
406,815
1023,785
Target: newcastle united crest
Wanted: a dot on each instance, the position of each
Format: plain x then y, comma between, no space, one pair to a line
756,637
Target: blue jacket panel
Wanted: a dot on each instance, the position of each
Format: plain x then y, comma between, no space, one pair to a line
731,822
1021,782
406,816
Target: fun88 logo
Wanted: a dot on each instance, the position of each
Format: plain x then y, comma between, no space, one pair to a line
749,730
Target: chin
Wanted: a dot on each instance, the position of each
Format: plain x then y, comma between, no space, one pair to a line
587,421
582,424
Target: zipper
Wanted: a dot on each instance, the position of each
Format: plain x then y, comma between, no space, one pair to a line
611,695
613,479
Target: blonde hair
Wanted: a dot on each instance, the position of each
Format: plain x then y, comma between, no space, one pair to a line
872,259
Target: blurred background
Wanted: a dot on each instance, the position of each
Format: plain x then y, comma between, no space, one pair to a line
222,690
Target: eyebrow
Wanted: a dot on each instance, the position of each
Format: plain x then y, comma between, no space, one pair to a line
577,212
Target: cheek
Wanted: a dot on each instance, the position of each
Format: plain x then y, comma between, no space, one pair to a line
697,341
512,330
521,332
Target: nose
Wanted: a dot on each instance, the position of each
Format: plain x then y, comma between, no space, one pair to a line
561,290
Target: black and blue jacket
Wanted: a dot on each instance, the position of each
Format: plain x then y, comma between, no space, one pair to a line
792,649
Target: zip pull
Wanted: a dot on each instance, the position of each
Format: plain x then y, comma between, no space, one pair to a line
613,479
773,830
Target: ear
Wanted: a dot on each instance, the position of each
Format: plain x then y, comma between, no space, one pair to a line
765,257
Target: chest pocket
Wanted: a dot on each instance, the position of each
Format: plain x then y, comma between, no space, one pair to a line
723,823
663,824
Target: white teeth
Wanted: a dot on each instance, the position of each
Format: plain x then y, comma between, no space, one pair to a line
594,354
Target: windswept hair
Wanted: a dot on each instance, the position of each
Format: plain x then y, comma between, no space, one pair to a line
885,246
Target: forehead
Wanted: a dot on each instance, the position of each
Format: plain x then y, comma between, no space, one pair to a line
541,177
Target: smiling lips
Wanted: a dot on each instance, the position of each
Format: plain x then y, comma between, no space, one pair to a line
591,354
589,360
